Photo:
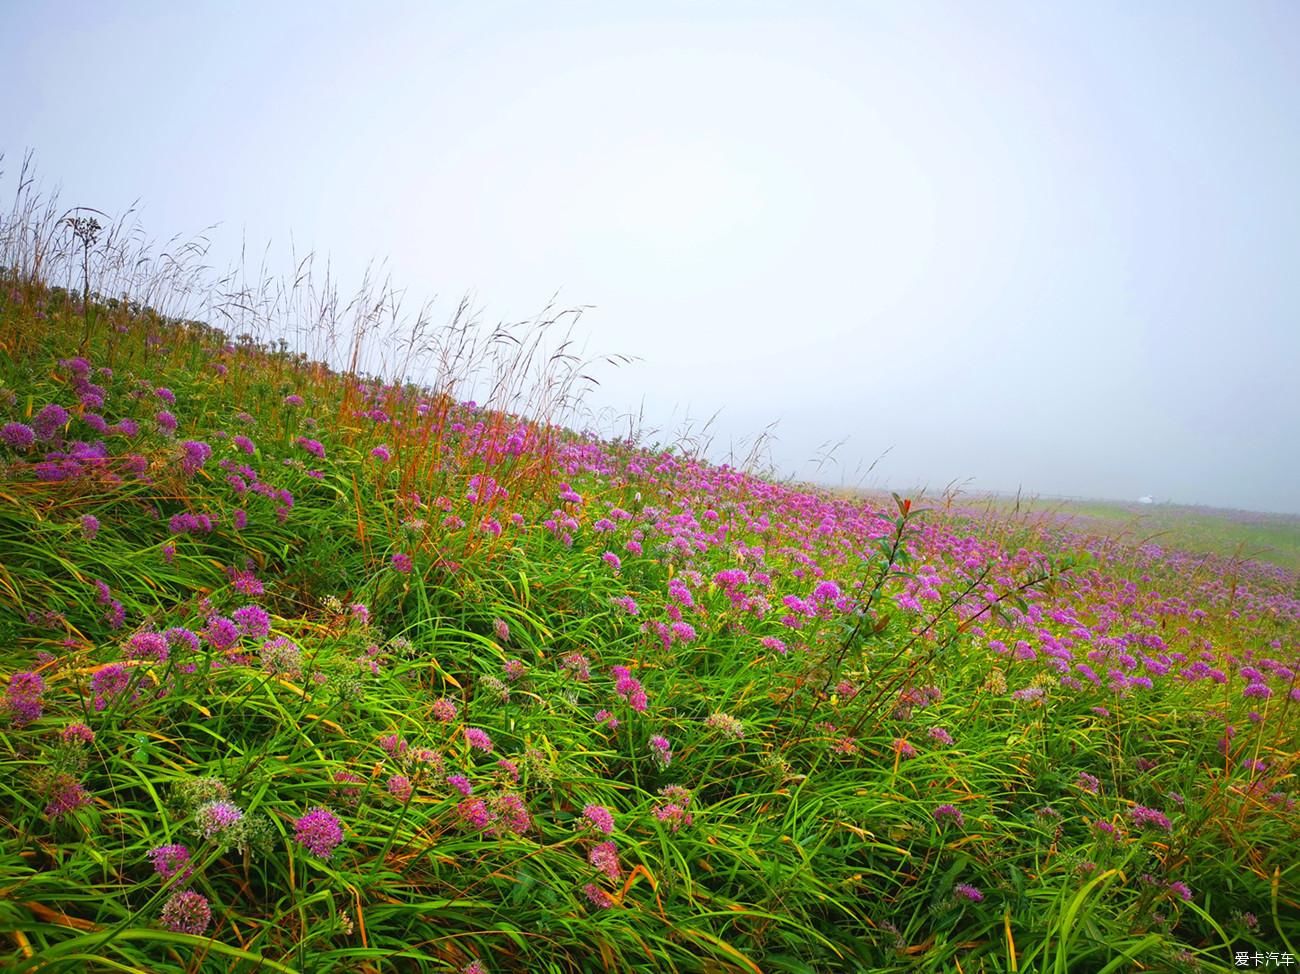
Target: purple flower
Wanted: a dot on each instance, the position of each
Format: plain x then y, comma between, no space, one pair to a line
604,857
23,697
282,657
1088,783
253,621
109,683
67,796
501,629
186,912
244,443
402,563
148,645
940,736
313,447
77,733
195,454
1143,816
89,526
598,897
221,633
444,710
166,422
319,832
512,814
399,786
478,739
166,395
190,524
381,453
966,891
293,399
949,812
460,783
215,818
663,753
49,421
17,436
474,813
1181,890
171,861
600,818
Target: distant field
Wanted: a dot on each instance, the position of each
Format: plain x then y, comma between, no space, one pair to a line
1272,538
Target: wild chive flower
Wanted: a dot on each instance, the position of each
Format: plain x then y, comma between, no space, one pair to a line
253,621
949,812
515,669
399,786
89,526
77,733
444,710
1088,783
663,753
606,718
319,832
171,861
49,421
966,891
474,813
166,395
245,444
1181,890
577,666
282,657
605,858
166,421
293,399
1143,816
600,818
187,523
629,688
17,436
726,724
195,454
23,697
216,818
478,739
598,897
512,813
381,454
461,784
221,633
186,912
147,645
501,629
313,447
402,563
940,736
66,797
108,684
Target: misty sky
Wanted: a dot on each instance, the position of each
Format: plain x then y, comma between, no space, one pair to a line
1041,245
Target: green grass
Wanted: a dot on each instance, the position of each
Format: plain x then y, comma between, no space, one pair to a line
794,828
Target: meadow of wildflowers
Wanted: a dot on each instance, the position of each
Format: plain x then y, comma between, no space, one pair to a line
306,670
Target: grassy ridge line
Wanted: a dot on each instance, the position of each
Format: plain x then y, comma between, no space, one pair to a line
468,576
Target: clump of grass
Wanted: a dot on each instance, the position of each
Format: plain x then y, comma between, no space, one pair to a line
322,671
